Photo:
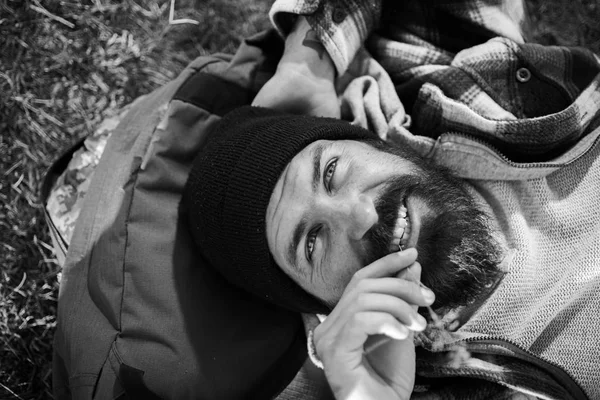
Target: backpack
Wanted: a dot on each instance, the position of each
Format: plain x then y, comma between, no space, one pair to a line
140,313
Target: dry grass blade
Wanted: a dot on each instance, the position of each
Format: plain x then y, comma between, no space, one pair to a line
16,396
42,10
173,21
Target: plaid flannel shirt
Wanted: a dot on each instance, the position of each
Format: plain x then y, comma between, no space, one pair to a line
462,67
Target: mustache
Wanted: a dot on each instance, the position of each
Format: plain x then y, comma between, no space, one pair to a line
387,205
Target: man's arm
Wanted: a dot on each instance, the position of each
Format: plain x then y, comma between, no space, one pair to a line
322,38
341,26
304,80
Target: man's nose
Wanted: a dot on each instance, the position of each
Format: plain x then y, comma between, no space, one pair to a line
358,214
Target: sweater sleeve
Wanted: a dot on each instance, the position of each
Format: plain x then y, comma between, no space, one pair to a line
342,25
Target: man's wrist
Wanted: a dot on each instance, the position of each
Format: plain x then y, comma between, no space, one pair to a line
305,54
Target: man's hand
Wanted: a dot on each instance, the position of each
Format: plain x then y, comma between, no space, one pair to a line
381,299
291,90
304,80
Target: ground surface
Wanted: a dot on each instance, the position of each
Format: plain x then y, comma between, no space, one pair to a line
65,65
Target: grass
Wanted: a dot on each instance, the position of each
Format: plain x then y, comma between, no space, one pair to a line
67,64
64,66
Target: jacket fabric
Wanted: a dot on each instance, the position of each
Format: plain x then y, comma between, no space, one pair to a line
520,123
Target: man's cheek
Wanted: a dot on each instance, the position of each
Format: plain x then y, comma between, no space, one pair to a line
346,275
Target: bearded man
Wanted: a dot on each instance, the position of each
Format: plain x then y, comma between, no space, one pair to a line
484,200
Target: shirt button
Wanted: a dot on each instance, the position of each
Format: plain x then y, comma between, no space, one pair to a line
338,15
523,75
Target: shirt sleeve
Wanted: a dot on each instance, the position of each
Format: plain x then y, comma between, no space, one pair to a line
342,25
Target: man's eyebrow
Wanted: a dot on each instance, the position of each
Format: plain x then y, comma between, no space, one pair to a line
292,251
318,152
293,246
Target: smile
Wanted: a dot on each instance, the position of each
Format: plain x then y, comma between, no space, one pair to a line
401,229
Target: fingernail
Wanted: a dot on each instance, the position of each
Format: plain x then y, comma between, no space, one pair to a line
419,323
428,295
394,333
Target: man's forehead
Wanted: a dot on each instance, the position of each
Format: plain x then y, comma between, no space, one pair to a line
321,145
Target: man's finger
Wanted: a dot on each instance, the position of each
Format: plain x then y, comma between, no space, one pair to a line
387,266
369,323
394,306
409,291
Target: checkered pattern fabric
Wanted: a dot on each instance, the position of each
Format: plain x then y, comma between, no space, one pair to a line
462,66
435,29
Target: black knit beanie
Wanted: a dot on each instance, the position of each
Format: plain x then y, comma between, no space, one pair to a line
229,188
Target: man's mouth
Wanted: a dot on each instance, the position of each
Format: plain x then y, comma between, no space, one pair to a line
402,229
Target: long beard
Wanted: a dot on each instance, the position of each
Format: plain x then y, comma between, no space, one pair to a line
459,254
457,250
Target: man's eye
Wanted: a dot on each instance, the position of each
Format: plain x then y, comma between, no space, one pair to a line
310,243
329,172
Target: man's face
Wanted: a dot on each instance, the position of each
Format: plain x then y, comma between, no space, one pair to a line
340,205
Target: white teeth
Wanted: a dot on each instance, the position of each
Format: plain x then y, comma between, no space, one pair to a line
406,233
402,212
400,225
401,230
